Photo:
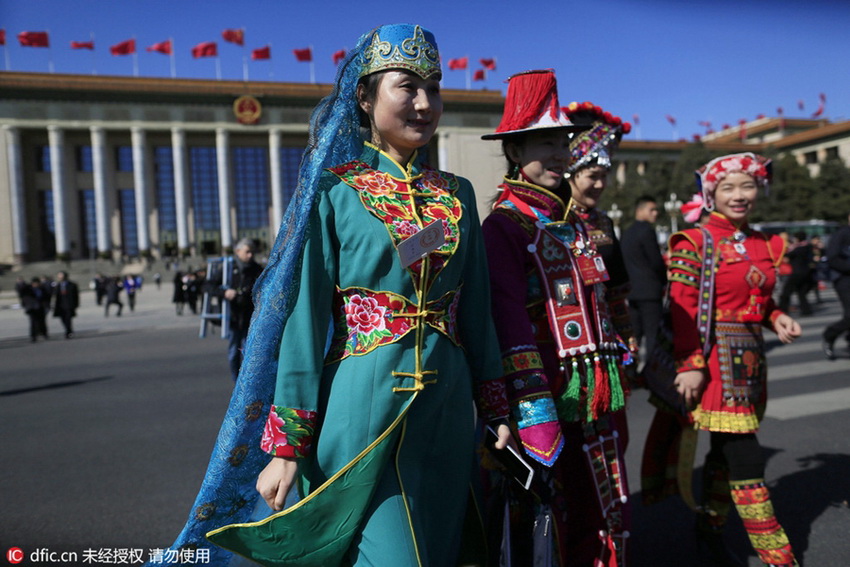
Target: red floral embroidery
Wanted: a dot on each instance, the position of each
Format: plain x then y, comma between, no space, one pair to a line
368,319
393,203
364,315
405,228
288,432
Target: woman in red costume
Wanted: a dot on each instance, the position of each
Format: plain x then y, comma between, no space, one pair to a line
726,389
561,350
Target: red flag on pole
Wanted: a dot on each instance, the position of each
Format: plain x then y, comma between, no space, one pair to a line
742,134
338,56
205,49
262,53
234,36
33,39
304,55
489,64
671,120
2,37
636,119
162,47
479,75
459,64
82,45
124,48
800,104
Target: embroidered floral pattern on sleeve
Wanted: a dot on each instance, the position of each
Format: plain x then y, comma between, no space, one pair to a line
288,432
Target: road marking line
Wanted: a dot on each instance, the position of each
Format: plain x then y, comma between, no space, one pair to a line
806,405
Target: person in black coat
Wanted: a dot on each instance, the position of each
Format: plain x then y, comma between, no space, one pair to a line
113,288
647,271
36,303
838,256
801,257
243,276
66,299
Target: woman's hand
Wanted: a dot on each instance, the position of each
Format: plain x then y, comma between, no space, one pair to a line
275,480
787,328
689,384
503,431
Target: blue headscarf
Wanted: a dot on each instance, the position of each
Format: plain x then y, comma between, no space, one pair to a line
228,493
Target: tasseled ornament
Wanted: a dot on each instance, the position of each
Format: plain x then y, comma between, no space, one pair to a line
601,398
591,387
755,307
618,395
568,402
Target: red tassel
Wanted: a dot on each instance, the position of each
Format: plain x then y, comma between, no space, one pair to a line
602,392
528,99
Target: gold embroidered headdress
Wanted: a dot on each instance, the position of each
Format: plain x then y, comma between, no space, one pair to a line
402,46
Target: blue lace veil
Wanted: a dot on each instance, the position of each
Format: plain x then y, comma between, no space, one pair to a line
228,494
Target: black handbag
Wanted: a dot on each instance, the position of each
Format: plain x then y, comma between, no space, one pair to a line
659,373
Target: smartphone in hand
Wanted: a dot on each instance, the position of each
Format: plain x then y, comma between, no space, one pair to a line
513,463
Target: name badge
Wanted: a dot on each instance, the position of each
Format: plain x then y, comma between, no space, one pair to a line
418,245
592,269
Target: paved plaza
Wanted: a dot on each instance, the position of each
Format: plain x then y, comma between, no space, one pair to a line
106,436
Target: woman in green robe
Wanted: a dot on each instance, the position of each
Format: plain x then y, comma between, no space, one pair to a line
388,341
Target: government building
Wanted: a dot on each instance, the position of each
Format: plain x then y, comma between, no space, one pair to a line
123,167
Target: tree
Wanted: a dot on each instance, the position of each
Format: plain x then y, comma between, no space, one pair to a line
831,201
790,193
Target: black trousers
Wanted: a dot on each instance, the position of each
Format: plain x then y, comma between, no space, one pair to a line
645,315
798,284
741,452
38,323
842,288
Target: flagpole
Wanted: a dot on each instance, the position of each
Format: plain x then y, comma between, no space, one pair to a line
93,61
244,57
271,66
468,78
50,55
6,57
171,56
135,59
312,67
217,67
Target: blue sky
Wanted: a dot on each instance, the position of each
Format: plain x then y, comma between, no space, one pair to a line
718,61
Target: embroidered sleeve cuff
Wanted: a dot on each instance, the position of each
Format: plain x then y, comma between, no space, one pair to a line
773,315
288,432
695,361
492,399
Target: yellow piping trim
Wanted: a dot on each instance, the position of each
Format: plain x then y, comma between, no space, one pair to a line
404,495
405,169
332,479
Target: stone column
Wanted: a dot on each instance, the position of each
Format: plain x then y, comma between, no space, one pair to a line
141,187
20,248
57,177
101,198
222,154
277,181
181,177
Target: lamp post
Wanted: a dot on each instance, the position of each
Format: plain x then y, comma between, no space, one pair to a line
673,207
615,214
